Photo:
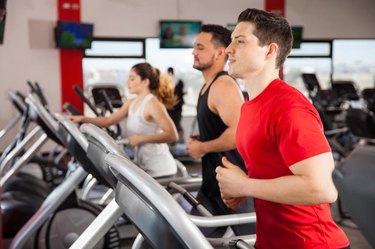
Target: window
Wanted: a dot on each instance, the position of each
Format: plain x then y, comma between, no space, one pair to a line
353,59
314,56
109,61
116,48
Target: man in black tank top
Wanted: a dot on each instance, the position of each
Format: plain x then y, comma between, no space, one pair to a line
218,111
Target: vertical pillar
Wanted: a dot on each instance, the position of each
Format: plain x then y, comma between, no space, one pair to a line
275,6
71,72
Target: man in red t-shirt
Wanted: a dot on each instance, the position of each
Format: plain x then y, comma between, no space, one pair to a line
280,137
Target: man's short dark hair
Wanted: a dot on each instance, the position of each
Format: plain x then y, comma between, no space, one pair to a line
270,27
220,34
170,70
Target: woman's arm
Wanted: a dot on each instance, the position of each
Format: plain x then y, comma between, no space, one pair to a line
107,121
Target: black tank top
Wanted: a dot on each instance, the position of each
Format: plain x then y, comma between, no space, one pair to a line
211,127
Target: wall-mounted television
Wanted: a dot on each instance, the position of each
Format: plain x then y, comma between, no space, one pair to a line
2,28
74,35
297,36
231,26
178,34
2,19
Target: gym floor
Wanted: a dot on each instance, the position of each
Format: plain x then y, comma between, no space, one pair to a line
356,238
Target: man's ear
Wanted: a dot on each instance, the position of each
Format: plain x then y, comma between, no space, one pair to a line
273,49
221,52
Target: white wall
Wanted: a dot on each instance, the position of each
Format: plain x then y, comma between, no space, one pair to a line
333,18
140,18
21,61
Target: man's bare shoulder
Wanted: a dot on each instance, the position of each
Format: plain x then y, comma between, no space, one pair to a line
225,80
224,94
225,84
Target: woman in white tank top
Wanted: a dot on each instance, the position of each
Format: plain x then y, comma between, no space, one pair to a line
149,125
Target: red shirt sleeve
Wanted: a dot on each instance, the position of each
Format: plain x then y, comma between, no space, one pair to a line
300,134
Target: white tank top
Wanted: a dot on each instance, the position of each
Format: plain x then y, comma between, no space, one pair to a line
154,158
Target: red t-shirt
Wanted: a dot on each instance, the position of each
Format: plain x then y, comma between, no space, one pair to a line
277,129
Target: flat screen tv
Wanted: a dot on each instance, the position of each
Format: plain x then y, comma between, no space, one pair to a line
2,20
297,36
74,35
178,34
2,30
231,26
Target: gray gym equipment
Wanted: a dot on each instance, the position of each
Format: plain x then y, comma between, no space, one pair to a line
354,179
29,229
77,146
158,217
36,136
20,106
100,144
160,220
101,139
7,171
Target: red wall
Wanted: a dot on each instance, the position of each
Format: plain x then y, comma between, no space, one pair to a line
71,72
276,6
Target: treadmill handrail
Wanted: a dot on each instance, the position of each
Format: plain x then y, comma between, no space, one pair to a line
95,133
158,198
42,113
73,129
223,220
17,101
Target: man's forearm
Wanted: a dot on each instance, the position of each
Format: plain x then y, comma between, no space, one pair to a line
226,141
293,190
